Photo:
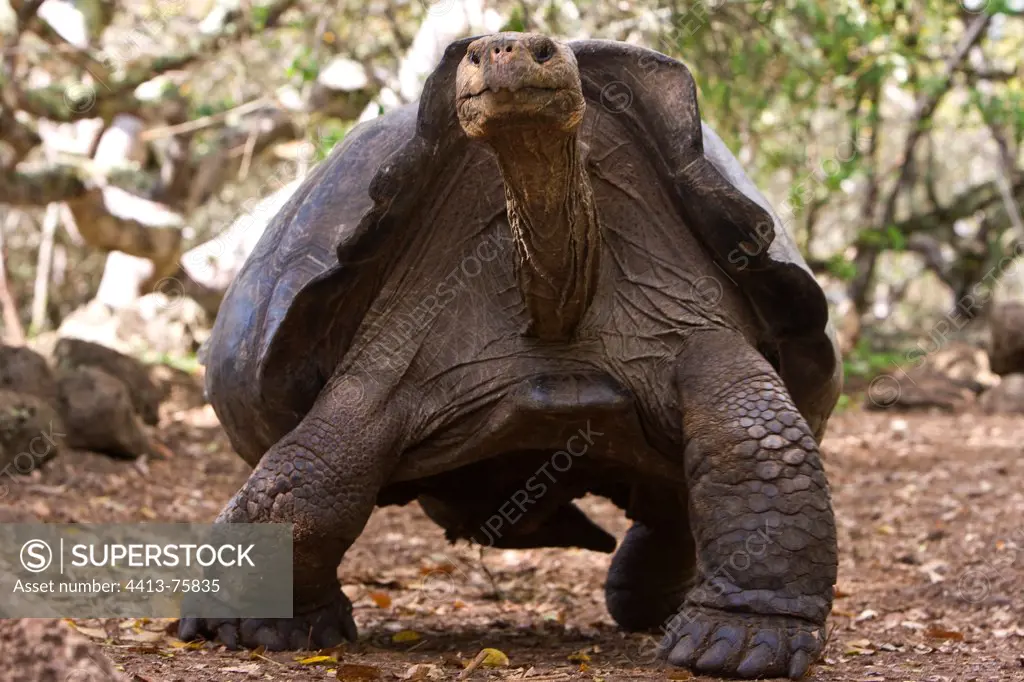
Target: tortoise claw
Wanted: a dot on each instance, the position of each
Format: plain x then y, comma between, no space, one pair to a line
743,645
319,628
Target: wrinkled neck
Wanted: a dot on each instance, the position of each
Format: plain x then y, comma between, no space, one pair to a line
551,211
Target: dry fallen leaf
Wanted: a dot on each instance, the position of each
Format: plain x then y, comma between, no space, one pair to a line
579,657
423,671
866,614
680,675
141,636
357,673
493,658
92,633
860,647
317,660
247,668
406,636
193,646
380,599
940,633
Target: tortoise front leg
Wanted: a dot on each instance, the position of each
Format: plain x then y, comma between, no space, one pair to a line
761,515
323,477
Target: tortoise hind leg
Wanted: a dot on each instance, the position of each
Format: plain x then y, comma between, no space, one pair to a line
323,477
655,564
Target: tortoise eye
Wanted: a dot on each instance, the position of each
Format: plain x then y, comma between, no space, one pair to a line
474,57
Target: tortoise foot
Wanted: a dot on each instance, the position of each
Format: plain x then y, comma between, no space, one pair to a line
743,645
318,628
650,576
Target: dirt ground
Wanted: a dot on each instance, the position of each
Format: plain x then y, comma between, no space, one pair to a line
931,580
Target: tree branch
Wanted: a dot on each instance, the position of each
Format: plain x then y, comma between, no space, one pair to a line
19,136
927,102
15,333
39,188
115,96
925,108
965,204
139,227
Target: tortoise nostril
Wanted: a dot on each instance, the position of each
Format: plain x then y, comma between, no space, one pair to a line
508,48
543,51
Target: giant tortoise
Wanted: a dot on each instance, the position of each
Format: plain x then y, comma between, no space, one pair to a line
549,278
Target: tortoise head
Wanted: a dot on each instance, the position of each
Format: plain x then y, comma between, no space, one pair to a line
518,80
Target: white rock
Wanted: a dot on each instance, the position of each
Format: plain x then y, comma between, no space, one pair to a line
69,21
344,74
121,143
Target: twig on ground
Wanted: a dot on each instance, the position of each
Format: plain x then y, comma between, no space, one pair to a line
490,576
473,665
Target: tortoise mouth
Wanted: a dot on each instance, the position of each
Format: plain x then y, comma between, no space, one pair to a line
491,109
499,94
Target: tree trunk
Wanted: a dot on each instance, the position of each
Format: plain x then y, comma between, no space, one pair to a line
41,291
13,331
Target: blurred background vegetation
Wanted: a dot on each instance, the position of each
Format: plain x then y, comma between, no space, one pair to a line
144,145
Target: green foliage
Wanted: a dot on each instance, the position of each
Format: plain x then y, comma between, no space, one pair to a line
327,135
840,267
260,14
204,109
891,238
188,363
209,107
305,66
896,240
1000,6
516,20
865,362
802,85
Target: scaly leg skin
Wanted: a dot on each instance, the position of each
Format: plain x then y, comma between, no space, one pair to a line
761,515
323,477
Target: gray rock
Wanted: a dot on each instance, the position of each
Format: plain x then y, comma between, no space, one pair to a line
98,412
1006,325
1006,398
145,394
23,370
31,432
